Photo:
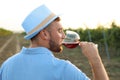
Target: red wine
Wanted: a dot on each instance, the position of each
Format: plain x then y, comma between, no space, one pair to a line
70,44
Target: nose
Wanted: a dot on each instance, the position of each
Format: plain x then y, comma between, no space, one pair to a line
63,36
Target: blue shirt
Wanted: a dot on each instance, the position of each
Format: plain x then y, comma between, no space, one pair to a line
39,64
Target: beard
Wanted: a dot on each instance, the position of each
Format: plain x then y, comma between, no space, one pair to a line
54,46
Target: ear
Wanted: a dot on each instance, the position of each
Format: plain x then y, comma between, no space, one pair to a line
44,35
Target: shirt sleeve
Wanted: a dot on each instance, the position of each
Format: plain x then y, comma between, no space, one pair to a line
71,72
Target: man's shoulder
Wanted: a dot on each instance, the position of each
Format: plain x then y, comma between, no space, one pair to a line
62,62
10,60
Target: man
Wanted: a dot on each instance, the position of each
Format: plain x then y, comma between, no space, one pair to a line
37,62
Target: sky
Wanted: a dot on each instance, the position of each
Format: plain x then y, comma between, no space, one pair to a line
74,13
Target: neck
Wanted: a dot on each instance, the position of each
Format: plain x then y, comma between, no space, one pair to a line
39,44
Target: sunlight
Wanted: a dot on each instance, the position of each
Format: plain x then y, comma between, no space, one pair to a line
75,13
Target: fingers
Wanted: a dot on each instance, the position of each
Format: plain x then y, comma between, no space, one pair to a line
87,43
89,49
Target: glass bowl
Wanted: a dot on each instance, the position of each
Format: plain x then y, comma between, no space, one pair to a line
71,40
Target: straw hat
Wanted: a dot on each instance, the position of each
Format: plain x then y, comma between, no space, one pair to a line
37,20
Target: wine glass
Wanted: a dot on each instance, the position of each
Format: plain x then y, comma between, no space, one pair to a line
71,40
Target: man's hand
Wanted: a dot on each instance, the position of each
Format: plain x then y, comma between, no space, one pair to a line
90,50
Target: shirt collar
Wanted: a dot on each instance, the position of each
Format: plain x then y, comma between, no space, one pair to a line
36,50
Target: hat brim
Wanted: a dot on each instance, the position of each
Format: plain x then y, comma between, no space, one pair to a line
27,37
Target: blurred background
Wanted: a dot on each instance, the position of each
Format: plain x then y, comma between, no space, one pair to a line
96,21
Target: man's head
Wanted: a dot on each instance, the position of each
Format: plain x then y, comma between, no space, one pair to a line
43,28
37,20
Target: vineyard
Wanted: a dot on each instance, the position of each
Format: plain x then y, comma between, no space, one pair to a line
11,43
